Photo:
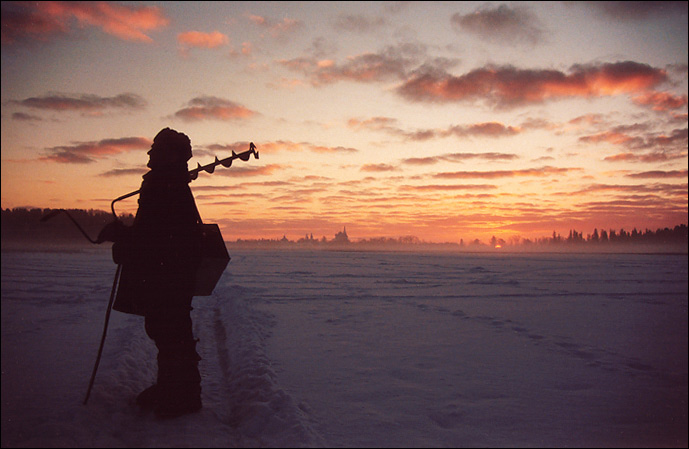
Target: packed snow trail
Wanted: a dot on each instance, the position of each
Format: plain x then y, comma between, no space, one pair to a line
243,405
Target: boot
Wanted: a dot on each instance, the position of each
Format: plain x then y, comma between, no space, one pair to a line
178,402
148,399
178,390
171,400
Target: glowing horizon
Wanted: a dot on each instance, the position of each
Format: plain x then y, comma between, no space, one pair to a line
444,121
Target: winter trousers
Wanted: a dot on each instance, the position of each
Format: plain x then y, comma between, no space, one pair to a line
178,386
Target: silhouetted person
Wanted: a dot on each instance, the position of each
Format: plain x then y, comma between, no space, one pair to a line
159,255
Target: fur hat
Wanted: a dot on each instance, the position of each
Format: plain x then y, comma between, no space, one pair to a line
170,147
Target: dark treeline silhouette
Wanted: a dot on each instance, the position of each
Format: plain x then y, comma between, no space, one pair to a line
341,241
665,236
21,224
663,240
24,225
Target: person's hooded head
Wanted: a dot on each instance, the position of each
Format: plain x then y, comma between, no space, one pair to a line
170,149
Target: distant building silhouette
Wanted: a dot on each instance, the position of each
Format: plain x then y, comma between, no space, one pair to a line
341,237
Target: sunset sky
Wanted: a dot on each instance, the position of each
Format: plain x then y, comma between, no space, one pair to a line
441,120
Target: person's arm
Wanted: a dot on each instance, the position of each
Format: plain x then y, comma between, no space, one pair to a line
121,236
111,232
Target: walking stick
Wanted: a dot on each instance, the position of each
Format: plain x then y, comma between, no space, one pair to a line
105,331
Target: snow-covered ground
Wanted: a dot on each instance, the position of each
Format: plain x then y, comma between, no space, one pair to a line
346,349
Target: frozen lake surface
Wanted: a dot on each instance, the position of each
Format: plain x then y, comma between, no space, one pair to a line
352,349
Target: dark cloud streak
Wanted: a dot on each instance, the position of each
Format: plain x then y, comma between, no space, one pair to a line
504,24
123,172
83,102
392,63
460,157
635,11
388,125
358,23
655,174
542,171
88,152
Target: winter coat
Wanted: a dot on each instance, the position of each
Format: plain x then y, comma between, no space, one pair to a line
159,253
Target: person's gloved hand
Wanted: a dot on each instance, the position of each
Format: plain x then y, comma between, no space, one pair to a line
111,232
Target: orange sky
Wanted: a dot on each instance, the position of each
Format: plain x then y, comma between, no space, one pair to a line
446,121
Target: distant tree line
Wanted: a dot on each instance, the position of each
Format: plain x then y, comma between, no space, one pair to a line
665,236
21,224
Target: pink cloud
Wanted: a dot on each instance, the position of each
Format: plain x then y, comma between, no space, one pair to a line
213,108
374,123
613,137
430,160
507,86
661,101
23,21
202,40
377,168
488,129
40,20
277,29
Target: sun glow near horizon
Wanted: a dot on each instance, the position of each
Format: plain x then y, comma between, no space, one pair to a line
505,121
